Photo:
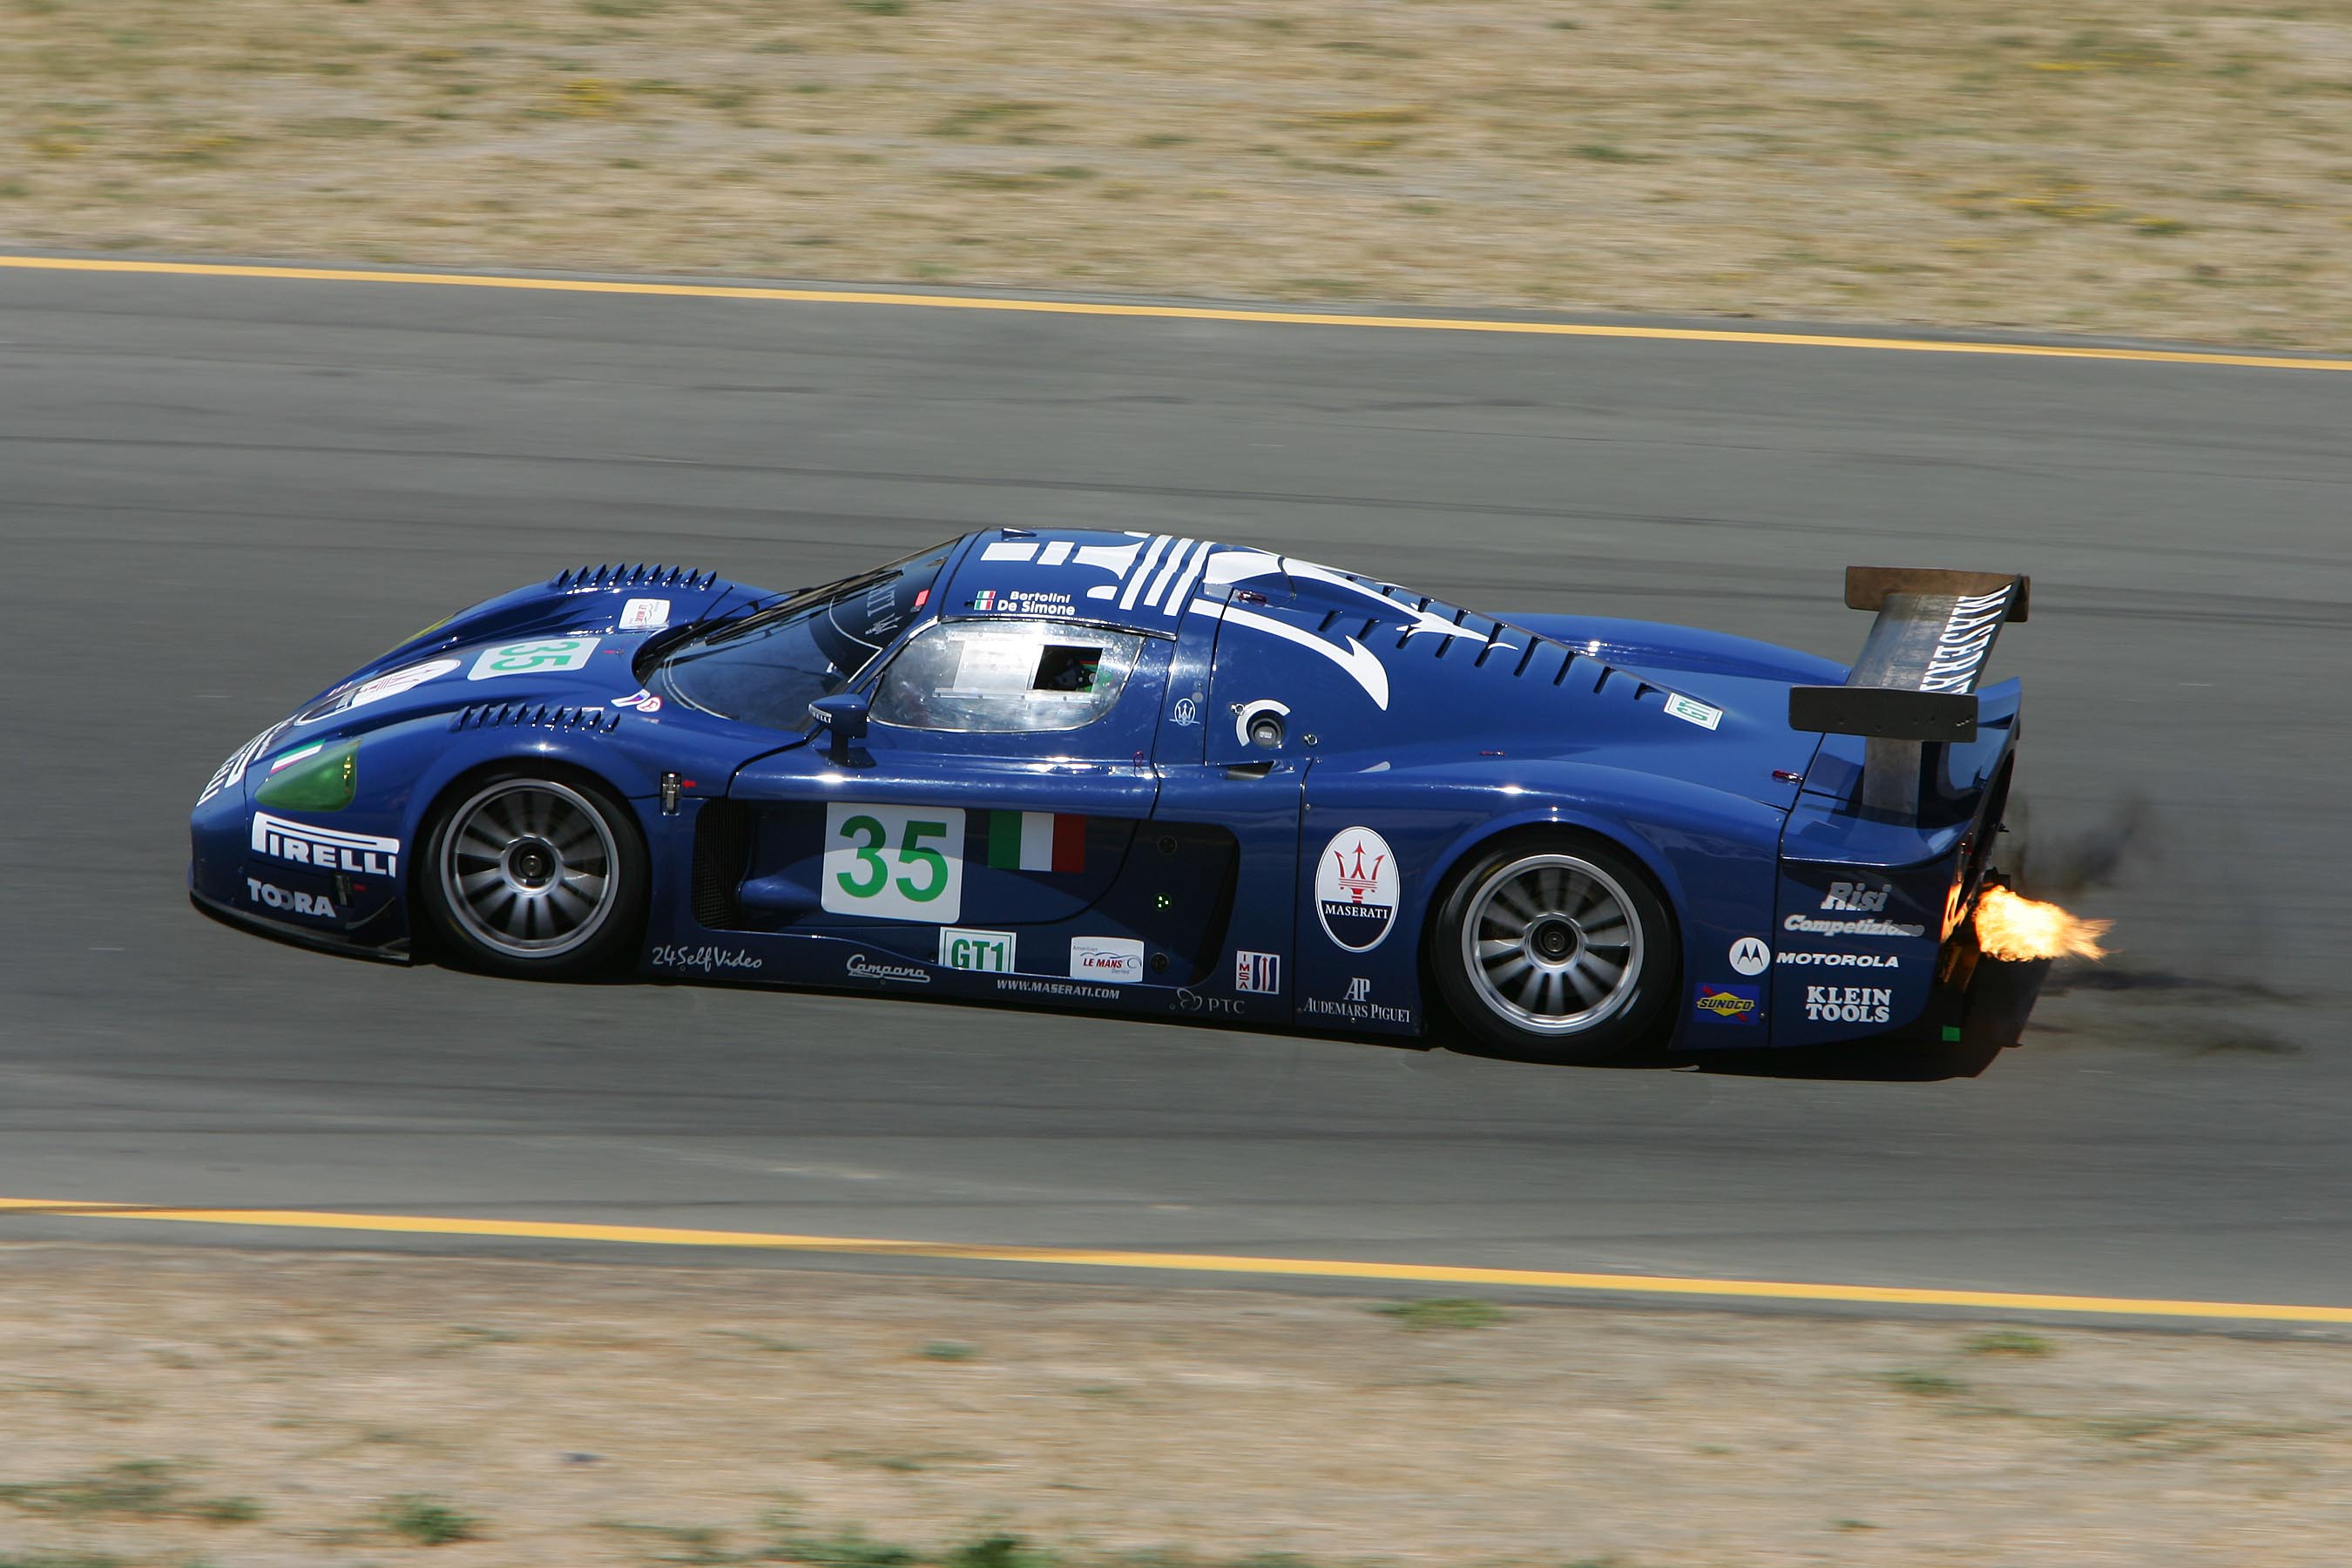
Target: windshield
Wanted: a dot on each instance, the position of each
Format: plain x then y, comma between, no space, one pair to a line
766,669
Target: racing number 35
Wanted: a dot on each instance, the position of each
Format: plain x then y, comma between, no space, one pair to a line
893,862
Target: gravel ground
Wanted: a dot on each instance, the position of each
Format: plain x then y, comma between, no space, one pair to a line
2156,167
174,1406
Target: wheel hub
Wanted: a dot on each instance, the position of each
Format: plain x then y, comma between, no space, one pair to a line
532,863
1554,941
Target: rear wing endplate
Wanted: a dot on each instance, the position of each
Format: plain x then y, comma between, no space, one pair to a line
1915,681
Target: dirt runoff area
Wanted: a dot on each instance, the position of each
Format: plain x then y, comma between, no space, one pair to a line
2150,167
182,1406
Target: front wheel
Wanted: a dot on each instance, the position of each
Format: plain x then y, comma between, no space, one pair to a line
1554,947
531,876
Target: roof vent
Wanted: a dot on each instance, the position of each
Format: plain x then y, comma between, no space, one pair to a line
580,579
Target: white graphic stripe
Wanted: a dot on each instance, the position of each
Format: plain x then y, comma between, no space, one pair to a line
1167,570
1055,554
1183,589
1160,542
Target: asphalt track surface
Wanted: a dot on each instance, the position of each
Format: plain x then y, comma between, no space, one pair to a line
218,494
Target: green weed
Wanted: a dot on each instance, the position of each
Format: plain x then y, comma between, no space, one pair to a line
428,1522
1443,1313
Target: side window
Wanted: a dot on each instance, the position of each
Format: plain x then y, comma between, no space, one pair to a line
1006,677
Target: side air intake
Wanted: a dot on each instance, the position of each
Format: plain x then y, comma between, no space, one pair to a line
613,576
535,716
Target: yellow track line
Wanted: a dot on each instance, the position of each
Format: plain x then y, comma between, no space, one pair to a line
1191,1262
1175,312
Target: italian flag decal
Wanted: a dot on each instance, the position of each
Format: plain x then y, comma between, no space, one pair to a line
1036,841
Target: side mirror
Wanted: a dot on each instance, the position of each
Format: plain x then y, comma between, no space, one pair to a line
843,718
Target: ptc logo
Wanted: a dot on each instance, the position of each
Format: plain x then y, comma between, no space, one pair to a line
1750,956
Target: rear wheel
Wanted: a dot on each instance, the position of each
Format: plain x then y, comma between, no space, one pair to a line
1554,947
529,875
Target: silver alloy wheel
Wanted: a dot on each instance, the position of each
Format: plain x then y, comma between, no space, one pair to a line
1551,942
528,868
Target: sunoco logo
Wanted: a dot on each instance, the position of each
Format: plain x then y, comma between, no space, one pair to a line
1356,887
1728,1004
324,848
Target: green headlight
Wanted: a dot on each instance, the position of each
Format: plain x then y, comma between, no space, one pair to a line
322,783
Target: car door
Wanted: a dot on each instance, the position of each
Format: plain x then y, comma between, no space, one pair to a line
988,820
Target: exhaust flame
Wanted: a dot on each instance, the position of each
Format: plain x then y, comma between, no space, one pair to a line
2011,927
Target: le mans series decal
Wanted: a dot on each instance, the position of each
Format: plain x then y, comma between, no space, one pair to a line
1357,888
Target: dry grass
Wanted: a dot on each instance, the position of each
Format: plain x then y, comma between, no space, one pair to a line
2134,166
289,1412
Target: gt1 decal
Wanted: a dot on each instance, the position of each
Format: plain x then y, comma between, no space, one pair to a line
893,862
1750,956
1356,889
1812,927
709,960
1848,1003
315,904
1113,959
324,848
641,700
1357,1003
883,973
1727,1004
1841,960
1697,712
1857,897
546,656
645,614
1258,974
989,952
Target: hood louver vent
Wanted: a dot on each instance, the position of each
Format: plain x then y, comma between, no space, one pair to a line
1489,643
535,716
613,576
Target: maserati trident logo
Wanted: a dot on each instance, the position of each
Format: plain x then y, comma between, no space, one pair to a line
1356,889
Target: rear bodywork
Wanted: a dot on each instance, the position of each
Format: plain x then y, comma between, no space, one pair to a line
1820,871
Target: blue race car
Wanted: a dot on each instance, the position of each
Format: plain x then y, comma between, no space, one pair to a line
1141,775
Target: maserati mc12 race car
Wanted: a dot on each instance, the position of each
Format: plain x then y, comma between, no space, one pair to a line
1141,775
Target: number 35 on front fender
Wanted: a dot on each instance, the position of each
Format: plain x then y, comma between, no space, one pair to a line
894,863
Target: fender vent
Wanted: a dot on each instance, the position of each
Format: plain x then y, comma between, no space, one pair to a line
535,716
722,848
614,576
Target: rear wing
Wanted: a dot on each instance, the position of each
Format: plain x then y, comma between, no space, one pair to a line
1915,681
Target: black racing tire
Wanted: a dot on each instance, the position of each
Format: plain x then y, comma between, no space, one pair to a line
534,873
1553,945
